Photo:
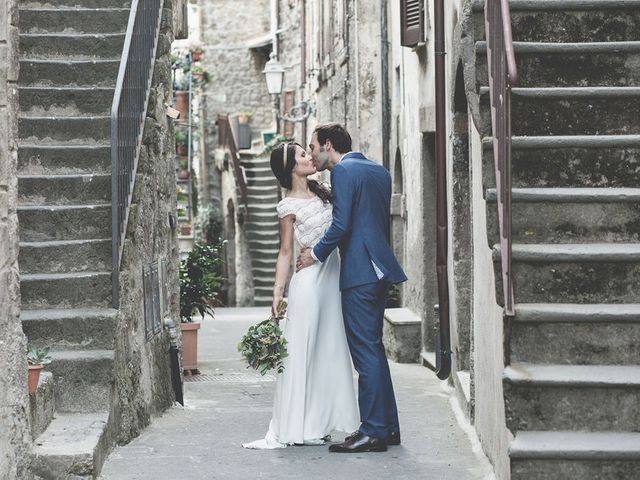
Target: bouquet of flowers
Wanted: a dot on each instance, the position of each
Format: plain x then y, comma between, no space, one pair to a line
264,347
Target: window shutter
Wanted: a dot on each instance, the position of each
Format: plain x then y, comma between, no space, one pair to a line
412,29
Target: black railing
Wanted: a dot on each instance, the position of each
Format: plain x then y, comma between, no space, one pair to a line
128,113
227,140
503,75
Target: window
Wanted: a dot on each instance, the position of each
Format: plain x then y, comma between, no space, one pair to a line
412,29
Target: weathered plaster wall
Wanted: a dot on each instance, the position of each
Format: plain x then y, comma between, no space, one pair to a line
143,382
14,403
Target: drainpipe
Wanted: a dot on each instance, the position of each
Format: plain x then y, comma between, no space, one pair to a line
384,82
443,341
303,61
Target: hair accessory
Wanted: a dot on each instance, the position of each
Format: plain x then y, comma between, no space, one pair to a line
284,156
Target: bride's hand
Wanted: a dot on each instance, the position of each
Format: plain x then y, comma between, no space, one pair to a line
274,306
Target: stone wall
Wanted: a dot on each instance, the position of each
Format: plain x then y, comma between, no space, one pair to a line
14,403
143,382
237,81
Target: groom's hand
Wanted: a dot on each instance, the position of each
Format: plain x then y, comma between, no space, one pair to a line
304,259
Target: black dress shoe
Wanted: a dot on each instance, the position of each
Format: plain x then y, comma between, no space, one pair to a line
393,438
358,442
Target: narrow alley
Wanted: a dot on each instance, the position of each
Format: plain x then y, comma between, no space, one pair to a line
227,405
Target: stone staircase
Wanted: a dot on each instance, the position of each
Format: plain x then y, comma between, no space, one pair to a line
262,225
69,57
572,391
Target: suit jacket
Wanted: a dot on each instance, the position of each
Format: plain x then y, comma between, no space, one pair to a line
360,226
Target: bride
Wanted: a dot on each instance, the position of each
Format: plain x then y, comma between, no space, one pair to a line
315,394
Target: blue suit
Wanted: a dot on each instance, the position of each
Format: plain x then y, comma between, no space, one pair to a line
360,228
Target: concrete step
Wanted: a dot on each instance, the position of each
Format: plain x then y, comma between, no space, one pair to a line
68,73
42,405
65,256
95,128
82,380
71,329
600,334
65,101
570,161
66,4
66,290
262,189
264,197
569,215
73,20
593,455
542,64
64,189
572,111
568,20
262,300
80,46
264,281
63,158
573,273
270,182
73,222
572,397
259,244
73,446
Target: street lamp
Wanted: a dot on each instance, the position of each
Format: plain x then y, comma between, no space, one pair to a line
274,75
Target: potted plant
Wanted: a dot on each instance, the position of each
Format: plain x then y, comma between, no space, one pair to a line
201,75
183,169
199,284
182,142
37,359
197,53
182,96
244,117
185,229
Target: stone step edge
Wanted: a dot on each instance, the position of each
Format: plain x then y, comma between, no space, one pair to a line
50,443
64,314
584,252
37,277
70,9
579,376
572,312
569,195
63,243
544,5
552,47
570,92
575,445
82,355
569,141
64,176
62,118
56,35
62,145
63,207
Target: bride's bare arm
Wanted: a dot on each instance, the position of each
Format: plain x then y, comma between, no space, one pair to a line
284,260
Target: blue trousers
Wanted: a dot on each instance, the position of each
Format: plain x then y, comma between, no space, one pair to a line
363,310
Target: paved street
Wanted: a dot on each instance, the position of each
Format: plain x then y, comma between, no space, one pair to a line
231,405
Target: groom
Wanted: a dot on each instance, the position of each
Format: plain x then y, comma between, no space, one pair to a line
361,205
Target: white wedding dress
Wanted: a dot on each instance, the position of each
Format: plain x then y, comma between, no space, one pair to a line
315,394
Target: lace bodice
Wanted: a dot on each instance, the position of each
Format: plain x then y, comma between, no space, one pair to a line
313,217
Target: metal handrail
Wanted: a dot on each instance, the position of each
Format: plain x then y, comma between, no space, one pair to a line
226,139
128,112
502,76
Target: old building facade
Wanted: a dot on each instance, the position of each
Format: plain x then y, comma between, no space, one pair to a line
110,368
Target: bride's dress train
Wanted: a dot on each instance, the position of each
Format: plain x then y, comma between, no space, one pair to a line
315,394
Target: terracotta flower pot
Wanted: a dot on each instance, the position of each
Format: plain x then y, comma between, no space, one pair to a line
183,174
182,150
196,56
182,104
185,229
34,377
190,345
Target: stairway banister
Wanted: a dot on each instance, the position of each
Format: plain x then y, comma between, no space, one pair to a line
226,139
128,113
503,75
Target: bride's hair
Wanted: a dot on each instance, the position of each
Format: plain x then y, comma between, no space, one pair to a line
283,172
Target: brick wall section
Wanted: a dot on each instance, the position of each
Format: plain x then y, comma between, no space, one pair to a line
14,431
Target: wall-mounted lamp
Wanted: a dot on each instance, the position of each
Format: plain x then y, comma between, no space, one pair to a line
274,75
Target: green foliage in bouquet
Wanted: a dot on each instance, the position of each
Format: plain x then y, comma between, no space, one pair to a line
264,347
200,280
